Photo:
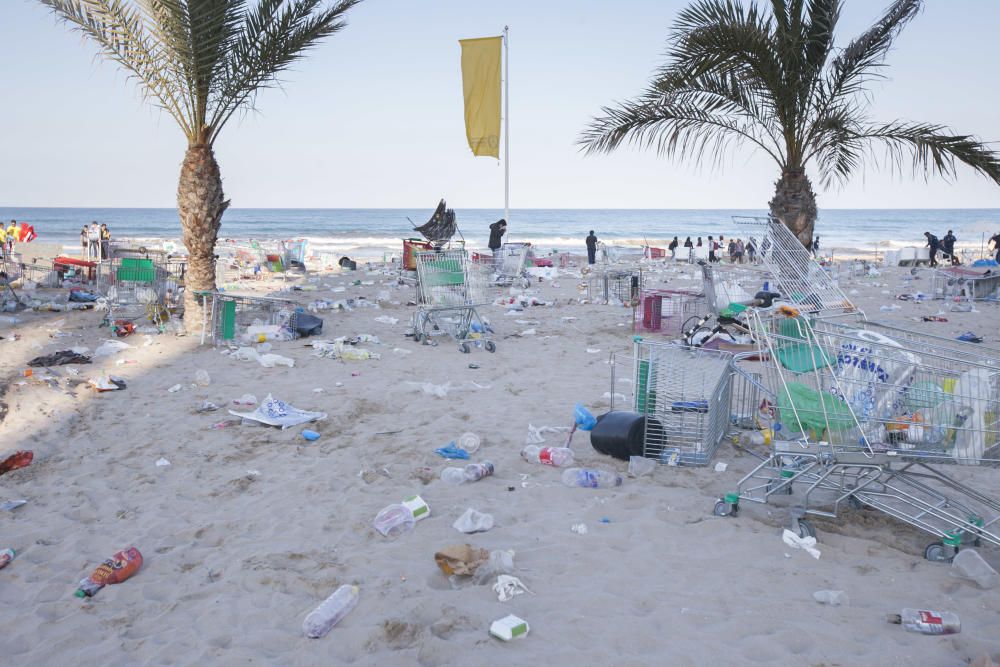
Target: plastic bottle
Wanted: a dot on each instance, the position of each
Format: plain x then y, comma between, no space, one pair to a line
552,456
927,622
832,598
394,520
321,619
202,378
114,570
590,479
470,473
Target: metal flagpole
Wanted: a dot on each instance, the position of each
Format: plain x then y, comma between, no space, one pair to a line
506,128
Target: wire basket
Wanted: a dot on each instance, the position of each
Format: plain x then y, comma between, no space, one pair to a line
614,286
685,394
665,311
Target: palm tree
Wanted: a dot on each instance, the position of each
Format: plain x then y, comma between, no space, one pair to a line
737,74
202,61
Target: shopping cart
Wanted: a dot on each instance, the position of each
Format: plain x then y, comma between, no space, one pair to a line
134,288
229,317
511,265
450,288
962,284
794,273
685,395
615,286
665,311
865,418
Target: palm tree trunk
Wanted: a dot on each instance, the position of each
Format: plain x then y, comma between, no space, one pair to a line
200,203
794,204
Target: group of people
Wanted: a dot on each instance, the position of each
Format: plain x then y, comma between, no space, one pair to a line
96,241
15,233
946,246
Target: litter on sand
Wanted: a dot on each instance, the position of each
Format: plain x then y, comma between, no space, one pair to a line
274,412
807,544
507,587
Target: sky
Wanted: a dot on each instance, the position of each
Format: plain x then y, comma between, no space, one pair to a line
372,118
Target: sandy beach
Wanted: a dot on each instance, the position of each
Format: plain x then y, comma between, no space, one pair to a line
250,527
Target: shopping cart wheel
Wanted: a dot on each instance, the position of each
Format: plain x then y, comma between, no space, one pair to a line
417,336
491,346
939,553
806,529
464,347
854,503
728,506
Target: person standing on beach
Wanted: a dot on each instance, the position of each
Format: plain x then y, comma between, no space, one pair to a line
94,240
11,236
699,242
934,244
673,248
3,241
731,251
83,241
712,247
497,230
105,241
740,249
815,247
591,242
751,248
690,249
948,244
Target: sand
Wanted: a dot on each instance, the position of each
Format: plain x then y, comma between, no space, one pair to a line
250,528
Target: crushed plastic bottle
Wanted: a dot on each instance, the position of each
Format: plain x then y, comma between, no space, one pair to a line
202,378
590,479
470,473
927,622
551,456
331,611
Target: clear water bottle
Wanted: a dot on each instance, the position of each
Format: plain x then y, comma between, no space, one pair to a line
470,473
394,520
927,622
331,611
551,456
590,479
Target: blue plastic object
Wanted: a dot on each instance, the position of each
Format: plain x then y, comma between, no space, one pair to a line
452,451
584,420
984,262
310,435
970,337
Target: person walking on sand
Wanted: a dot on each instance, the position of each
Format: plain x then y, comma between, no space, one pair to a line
740,249
934,244
712,247
673,248
3,241
751,248
731,251
815,247
94,241
591,242
497,230
948,246
105,241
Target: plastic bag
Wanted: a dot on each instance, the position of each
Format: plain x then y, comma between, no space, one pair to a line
473,522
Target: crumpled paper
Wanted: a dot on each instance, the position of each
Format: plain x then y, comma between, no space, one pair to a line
807,544
507,587
460,559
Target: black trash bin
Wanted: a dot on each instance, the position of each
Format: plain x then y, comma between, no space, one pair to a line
620,433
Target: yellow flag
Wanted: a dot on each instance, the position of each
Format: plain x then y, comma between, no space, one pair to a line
481,87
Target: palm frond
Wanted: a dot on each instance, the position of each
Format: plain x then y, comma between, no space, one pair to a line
120,33
862,58
932,149
273,37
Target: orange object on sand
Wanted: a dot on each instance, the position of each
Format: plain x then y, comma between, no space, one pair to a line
21,459
114,570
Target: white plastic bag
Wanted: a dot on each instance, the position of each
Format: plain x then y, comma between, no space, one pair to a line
473,522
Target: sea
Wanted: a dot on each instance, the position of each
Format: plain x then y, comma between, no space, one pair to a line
373,232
